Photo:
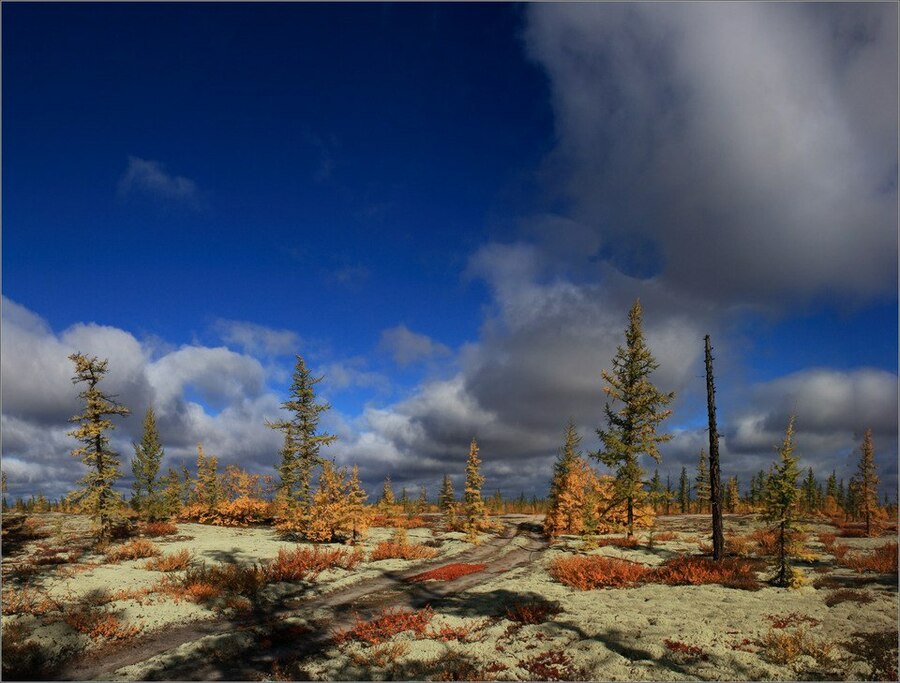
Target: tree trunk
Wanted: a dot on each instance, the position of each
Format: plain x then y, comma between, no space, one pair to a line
630,517
715,493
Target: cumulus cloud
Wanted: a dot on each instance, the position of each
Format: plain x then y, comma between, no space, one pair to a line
407,347
747,152
149,178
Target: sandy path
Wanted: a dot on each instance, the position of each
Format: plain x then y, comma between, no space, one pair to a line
516,546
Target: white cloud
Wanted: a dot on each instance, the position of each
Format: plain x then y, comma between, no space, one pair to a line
257,339
143,176
407,347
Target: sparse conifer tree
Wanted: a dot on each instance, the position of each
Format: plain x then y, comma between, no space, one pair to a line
476,518
97,498
208,487
422,502
841,495
867,482
732,495
670,493
300,453
358,513
701,483
148,455
780,507
330,518
446,498
810,492
631,430
657,493
684,492
171,493
567,499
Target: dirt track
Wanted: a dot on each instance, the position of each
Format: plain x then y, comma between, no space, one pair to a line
515,546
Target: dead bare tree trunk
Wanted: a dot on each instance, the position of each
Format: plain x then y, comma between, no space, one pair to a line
715,488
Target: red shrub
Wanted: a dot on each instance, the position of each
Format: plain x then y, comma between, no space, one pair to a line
586,573
791,620
445,633
847,595
535,612
159,529
619,541
690,651
448,572
307,563
554,666
696,571
882,560
827,540
386,625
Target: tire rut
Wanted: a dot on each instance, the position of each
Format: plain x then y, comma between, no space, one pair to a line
363,599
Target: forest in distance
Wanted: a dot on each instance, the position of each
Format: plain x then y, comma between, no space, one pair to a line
326,585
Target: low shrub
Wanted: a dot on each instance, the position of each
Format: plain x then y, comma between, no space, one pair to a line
696,571
386,625
133,550
618,541
741,546
27,600
765,541
23,659
882,560
533,612
463,633
839,552
156,529
243,511
784,647
305,563
664,536
587,573
847,595
827,540
393,550
688,652
554,666
379,656
783,621
448,572
878,651
172,562
97,624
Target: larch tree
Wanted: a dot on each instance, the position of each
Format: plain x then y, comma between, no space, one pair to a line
422,501
148,455
97,498
867,482
632,429
447,497
567,498
732,495
780,505
358,513
474,510
171,496
701,483
684,492
208,487
300,453
330,519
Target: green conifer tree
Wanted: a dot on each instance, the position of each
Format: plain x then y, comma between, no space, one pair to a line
631,430
684,492
148,455
657,494
171,498
446,498
97,498
300,453
780,506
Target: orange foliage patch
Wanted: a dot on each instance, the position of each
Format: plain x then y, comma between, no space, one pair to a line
765,540
159,529
98,624
302,564
882,560
697,571
447,572
28,600
587,573
446,633
386,625
827,540
664,536
618,541
133,550
170,563
389,550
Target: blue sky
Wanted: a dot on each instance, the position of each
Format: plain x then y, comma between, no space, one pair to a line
448,209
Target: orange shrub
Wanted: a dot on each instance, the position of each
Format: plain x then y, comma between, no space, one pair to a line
618,541
201,592
664,536
27,600
587,573
192,512
696,571
388,550
448,572
133,550
765,540
158,529
827,540
739,545
534,612
386,625
242,511
170,563
882,560
97,624
302,564
445,633
839,552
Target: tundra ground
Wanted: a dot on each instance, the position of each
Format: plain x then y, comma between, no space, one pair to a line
493,611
